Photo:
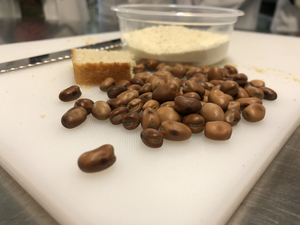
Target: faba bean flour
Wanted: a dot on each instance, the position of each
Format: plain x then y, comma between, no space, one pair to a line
177,44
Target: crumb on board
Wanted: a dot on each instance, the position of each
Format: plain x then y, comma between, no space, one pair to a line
258,70
87,87
42,115
294,99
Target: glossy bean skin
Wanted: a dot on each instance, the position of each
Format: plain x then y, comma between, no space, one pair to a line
212,112
115,90
175,131
101,110
107,83
218,130
254,112
150,119
117,114
131,120
270,94
168,113
74,117
152,138
98,159
69,94
186,105
85,103
195,122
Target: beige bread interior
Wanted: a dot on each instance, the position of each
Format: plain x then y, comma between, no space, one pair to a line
91,67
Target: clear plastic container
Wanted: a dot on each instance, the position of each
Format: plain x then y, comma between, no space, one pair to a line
177,33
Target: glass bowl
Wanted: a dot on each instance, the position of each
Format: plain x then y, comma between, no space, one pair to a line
177,33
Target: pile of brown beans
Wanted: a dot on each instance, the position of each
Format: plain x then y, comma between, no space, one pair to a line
174,101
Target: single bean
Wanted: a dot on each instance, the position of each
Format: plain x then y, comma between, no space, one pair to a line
70,93
98,159
152,138
195,122
74,117
131,120
101,110
107,83
175,131
218,130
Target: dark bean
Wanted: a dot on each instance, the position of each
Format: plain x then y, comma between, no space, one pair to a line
106,84
151,104
146,88
191,86
138,81
175,131
115,90
269,93
117,114
124,83
139,68
85,103
240,78
186,105
254,91
178,71
195,122
160,65
131,120
230,87
244,102
143,76
166,92
141,61
152,138
74,117
98,159
127,96
146,97
70,94
151,64
135,105
242,93
115,103
214,73
230,69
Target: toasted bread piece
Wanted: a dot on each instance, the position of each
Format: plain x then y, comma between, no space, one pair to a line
91,67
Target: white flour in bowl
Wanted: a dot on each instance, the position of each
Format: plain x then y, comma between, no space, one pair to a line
177,44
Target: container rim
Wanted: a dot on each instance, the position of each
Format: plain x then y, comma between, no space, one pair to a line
223,12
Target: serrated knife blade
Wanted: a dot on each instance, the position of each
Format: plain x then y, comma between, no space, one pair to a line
54,56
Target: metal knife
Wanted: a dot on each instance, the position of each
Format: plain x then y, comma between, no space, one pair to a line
55,56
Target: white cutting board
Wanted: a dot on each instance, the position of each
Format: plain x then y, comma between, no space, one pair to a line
197,181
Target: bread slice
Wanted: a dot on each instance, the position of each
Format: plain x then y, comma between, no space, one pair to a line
91,67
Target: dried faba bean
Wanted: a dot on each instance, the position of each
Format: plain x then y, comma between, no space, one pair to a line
70,93
98,159
74,117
